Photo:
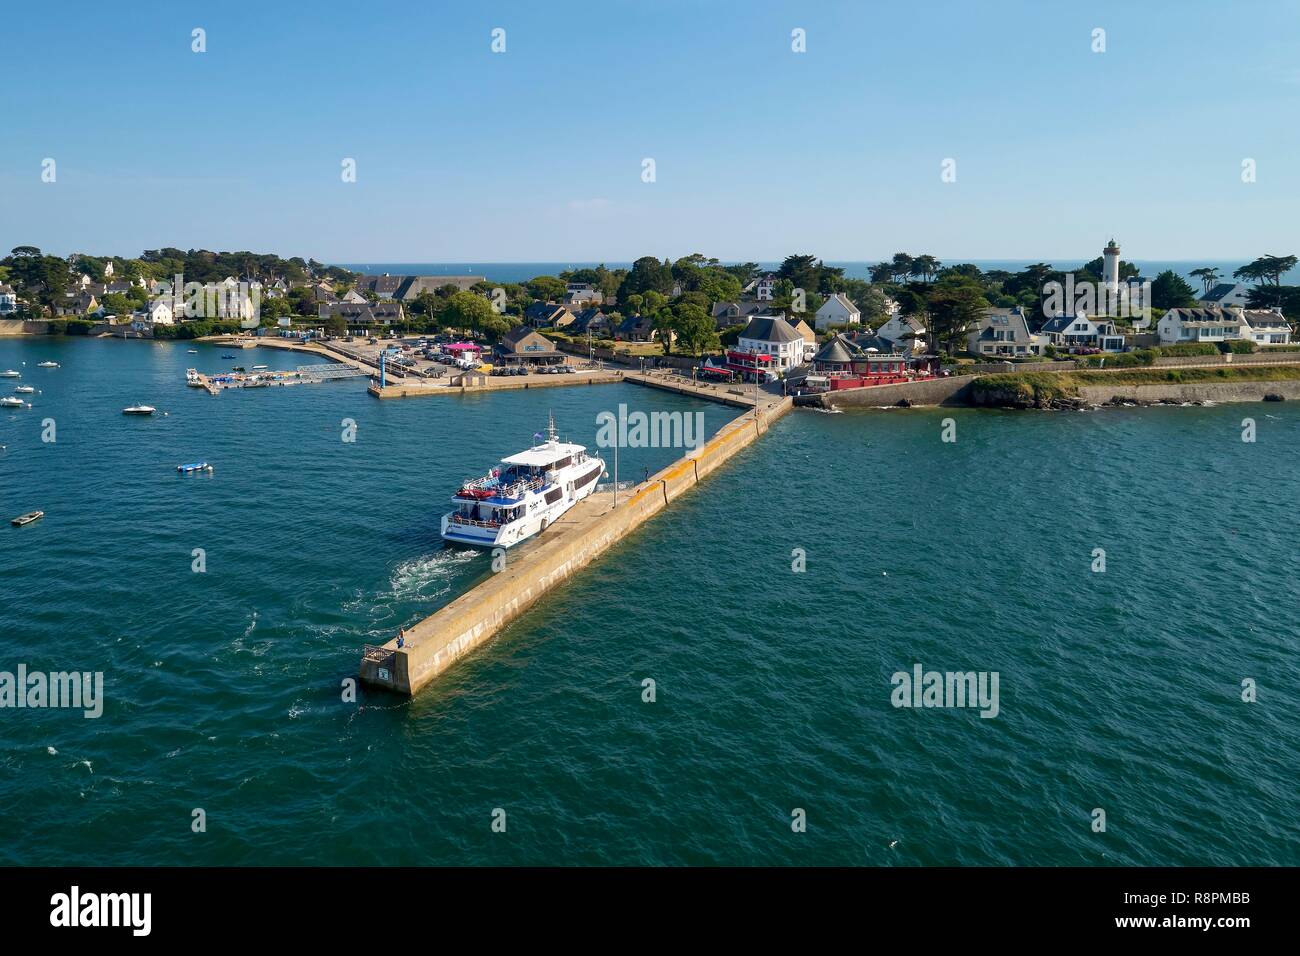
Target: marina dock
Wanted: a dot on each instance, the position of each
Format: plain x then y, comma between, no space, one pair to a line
584,533
304,374
459,383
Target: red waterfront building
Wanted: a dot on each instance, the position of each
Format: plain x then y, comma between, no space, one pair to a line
751,366
845,364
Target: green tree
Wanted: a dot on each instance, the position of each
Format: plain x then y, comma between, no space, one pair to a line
1208,276
115,303
1169,290
545,288
1268,269
903,267
647,274
926,267
695,328
465,310
275,308
954,305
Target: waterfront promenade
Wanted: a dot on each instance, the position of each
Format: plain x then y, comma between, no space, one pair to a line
585,532
738,396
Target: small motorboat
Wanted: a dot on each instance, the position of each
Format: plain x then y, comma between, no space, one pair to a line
27,518
139,410
47,364
258,368
227,356
10,402
25,389
194,351
193,466
10,373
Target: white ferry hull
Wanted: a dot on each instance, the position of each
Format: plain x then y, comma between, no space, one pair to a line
537,520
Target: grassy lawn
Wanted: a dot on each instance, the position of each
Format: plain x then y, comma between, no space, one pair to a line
1045,386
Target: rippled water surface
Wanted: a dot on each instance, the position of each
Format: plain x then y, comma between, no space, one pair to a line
1119,690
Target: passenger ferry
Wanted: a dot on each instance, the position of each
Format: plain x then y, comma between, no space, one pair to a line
524,496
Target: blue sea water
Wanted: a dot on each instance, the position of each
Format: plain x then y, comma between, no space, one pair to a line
523,271
1119,690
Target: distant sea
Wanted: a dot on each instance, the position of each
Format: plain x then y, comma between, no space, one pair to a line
523,271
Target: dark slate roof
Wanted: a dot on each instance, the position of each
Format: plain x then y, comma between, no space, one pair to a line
770,329
1264,319
1212,315
743,307
520,334
839,349
1055,325
406,288
1220,292
869,340
540,312
1014,321
636,323
363,313
589,319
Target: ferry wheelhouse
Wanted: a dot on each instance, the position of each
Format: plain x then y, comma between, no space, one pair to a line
522,496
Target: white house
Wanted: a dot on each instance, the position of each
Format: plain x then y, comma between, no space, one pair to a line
157,312
905,332
1227,295
583,298
8,300
160,312
763,288
1263,327
773,335
1210,324
837,310
1004,333
1083,331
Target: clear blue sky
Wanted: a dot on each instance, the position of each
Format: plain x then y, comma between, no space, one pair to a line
535,154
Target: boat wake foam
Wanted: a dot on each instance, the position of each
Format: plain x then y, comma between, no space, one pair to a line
429,575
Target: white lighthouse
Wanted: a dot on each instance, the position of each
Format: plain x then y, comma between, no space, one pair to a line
1110,266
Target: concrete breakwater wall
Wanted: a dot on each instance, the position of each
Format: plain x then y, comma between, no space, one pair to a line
21,327
952,390
588,530
733,395
1240,391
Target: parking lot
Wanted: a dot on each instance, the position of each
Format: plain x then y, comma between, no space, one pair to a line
427,358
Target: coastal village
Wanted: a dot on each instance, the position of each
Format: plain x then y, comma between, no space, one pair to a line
916,332
804,329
